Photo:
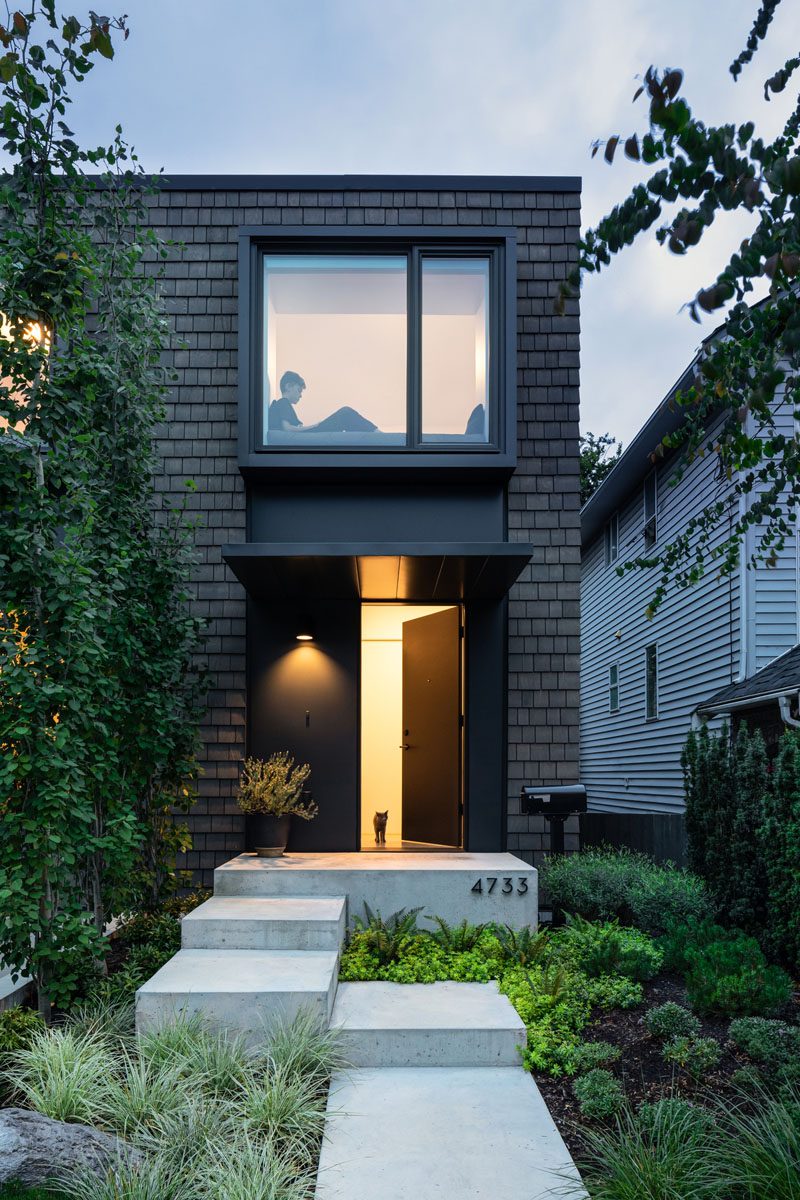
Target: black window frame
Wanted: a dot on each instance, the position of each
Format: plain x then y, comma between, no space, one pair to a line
496,456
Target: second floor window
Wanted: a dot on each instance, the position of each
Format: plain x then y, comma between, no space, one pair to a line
612,539
613,688
650,502
651,682
371,350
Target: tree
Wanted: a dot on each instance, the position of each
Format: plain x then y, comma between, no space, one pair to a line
99,695
702,171
599,453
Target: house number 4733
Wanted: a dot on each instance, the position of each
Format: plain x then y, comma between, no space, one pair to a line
506,885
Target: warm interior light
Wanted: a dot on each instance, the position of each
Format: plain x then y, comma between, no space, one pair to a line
305,637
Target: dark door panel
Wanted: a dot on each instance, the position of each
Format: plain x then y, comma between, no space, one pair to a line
304,699
432,728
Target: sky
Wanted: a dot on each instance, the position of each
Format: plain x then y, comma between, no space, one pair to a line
515,87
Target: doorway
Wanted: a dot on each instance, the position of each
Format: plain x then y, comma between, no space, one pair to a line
412,726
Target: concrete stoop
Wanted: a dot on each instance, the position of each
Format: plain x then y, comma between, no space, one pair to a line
435,1105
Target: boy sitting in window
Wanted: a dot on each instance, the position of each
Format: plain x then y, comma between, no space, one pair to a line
282,416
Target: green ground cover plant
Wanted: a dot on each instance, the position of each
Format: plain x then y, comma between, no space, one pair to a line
546,975
765,1041
196,1103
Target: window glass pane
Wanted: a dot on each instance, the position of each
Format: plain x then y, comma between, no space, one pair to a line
334,350
651,682
650,501
612,539
613,688
455,350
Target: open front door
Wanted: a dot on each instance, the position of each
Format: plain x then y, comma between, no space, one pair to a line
432,728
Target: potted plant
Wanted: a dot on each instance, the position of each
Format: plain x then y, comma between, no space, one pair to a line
270,794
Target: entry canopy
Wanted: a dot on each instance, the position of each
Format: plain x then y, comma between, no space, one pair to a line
413,572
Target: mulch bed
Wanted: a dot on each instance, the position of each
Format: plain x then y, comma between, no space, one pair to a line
641,1069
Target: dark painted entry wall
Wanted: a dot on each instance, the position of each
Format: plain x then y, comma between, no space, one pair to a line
304,699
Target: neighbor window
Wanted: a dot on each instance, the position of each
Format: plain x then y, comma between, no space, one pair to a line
612,539
651,682
378,350
650,500
613,688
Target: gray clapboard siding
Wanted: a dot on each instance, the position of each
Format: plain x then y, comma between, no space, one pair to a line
628,762
772,592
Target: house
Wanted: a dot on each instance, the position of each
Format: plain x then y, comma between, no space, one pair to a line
644,681
379,406
769,700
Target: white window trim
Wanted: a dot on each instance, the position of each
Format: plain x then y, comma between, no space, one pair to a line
608,544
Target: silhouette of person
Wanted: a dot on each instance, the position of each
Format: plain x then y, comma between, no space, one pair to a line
282,415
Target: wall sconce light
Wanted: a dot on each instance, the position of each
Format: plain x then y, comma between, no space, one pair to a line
306,633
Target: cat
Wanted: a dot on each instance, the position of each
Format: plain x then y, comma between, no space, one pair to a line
379,821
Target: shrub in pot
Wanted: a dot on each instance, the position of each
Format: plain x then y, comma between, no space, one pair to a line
270,794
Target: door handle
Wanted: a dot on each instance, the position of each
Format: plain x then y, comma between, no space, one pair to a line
405,746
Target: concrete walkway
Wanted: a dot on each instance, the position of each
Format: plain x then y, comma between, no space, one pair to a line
442,1133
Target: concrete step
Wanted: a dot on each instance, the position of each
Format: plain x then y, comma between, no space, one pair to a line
427,1025
275,923
243,991
474,1133
452,885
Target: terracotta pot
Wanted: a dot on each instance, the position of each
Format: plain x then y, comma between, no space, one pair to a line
267,834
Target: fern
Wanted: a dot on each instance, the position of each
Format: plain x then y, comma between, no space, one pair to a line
384,938
457,939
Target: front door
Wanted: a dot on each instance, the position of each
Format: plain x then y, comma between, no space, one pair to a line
432,728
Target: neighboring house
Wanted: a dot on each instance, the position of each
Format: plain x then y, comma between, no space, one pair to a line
422,538
768,700
641,679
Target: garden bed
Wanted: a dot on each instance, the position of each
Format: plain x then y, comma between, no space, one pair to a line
641,1068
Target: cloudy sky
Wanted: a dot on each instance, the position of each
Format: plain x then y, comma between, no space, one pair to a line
518,87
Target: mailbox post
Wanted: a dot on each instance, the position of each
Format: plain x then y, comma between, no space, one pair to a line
555,804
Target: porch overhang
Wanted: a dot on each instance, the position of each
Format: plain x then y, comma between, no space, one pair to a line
416,572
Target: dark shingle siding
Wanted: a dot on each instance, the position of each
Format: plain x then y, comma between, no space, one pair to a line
543,507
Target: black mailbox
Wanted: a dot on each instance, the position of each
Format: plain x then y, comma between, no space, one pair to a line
553,801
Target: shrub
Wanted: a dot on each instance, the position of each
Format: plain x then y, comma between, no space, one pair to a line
664,896
554,1005
614,991
765,1041
671,1020
725,783
732,977
697,1056
599,1094
608,949
680,941
17,1027
780,854
606,883
590,1055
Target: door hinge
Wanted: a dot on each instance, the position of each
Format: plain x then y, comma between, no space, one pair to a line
461,721
461,631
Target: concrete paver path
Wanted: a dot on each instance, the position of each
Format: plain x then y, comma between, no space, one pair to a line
442,1133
